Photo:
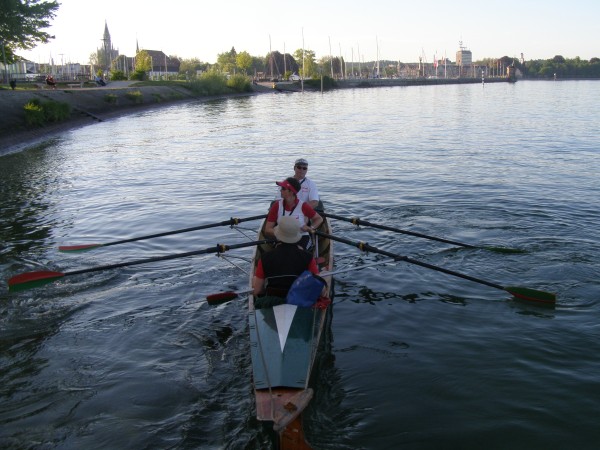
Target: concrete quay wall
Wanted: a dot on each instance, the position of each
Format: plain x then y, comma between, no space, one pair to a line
385,82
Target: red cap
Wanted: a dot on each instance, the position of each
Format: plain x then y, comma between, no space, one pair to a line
286,184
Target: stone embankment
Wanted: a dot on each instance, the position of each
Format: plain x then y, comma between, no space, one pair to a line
88,105
357,83
388,82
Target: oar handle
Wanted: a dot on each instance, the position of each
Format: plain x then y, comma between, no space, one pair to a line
219,248
357,221
233,221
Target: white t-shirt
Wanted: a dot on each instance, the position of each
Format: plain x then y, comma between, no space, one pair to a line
308,190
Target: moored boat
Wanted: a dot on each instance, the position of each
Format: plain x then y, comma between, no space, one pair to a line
284,341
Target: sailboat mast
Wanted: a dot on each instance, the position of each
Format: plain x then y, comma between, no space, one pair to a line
270,56
359,70
330,57
377,42
303,68
342,68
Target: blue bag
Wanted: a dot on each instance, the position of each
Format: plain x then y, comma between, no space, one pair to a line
305,290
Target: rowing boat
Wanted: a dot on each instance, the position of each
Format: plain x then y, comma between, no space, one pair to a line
284,341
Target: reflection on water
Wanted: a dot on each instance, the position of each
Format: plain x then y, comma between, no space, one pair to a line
135,358
30,183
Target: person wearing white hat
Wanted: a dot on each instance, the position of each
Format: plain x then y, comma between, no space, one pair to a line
291,205
285,262
308,188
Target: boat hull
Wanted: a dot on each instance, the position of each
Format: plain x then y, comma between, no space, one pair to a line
284,342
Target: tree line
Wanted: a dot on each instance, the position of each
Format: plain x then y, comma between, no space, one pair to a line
305,62
561,67
545,69
274,65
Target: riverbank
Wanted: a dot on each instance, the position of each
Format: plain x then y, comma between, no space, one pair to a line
96,104
88,105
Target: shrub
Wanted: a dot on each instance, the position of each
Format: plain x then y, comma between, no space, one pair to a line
239,83
138,75
111,98
38,113
34,115
210,83
117,75
135,96
56,111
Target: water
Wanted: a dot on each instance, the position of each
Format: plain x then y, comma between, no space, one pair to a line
415,359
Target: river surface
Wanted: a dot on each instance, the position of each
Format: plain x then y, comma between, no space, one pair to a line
135,358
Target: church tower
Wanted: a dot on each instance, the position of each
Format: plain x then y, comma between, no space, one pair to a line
107,53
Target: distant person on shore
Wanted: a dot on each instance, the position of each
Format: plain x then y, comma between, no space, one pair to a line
50,81
100,81
308,189
13,84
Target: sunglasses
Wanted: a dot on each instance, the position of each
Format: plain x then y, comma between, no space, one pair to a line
302,167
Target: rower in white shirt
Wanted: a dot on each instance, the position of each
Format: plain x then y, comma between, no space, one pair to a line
308,189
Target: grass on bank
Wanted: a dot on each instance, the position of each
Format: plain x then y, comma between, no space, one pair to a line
38,113
209,83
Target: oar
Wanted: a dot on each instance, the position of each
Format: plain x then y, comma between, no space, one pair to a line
233,221
356,221
518,292
222,297
35,279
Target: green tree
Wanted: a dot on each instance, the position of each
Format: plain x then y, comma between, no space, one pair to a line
243,61
307,62
22,23
330,64
143,65
226,61
143,62
258,64
190,69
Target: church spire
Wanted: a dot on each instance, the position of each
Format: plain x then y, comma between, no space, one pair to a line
107,53
106,33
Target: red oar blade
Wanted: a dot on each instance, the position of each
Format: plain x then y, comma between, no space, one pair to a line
32,279
78,248
223,297
531,295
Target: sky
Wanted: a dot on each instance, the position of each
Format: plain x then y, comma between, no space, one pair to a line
356,30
